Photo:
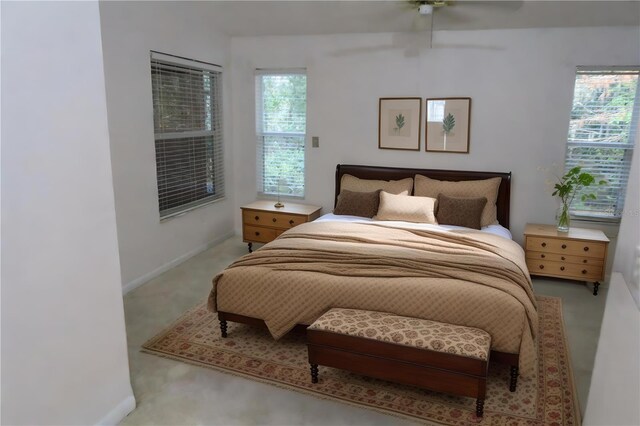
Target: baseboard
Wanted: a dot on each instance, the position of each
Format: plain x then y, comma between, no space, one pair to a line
119,412
175,262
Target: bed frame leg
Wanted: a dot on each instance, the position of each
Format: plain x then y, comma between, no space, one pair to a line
314,373
479,407
513,382
223,328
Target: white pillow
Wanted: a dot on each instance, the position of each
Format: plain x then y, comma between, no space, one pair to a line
407,208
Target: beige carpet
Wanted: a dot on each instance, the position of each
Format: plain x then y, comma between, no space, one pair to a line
549,398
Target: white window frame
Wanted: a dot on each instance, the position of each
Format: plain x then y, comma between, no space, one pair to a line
215,112
615,215
261,134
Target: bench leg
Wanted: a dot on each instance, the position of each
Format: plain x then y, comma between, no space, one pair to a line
513,382
314,373
479,407
223,328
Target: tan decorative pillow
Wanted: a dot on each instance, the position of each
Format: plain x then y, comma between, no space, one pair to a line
352,183
363,204
460,211
488,188
407,208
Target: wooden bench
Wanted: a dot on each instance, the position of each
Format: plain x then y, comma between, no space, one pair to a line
432,355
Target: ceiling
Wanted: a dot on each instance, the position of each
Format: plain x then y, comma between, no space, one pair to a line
261,18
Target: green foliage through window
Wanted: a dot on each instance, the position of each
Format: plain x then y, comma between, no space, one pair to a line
601,137
187,117
281,110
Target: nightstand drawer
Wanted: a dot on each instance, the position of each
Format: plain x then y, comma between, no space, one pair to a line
561,269
263,222
580,254
570,247
556,257
258,234
273,220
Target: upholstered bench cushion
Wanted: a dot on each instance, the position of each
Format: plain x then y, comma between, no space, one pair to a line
418,333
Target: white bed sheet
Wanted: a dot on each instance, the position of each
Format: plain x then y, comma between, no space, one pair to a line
498,230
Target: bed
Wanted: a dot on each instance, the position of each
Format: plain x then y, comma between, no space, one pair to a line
456,276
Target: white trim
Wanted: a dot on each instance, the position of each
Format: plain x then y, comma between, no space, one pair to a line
175,262
119,412
191,63
614,69
189,134
279,71
186,210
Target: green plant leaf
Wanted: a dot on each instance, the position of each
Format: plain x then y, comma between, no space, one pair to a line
448,123
400,121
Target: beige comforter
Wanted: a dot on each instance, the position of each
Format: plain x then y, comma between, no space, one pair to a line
469,278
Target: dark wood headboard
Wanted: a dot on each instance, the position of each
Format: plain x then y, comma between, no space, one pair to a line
395,173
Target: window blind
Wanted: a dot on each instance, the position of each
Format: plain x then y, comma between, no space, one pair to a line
187,117
281,125
602,134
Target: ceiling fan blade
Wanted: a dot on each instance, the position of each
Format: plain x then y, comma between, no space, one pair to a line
364,50
465,46
503,5
472,13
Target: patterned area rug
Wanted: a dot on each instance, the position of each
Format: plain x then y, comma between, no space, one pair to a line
549,398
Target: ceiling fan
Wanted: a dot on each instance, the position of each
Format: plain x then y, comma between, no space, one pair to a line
453,11
459,12
424,19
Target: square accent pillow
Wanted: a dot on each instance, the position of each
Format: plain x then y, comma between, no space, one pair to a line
407,208
488,188
460,211
363,204
354,184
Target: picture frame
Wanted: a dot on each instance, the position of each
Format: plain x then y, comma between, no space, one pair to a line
399,123
448,125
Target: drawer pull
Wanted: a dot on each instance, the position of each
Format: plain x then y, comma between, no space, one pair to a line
562,268
584,271
584,261
257,234
544,244
291,222
562,258
564,246
257,218
541,266
274,219
586,249
542,256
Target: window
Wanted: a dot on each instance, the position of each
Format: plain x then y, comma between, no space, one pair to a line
602,132
281,125
187,118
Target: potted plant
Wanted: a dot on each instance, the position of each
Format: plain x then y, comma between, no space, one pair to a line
566,188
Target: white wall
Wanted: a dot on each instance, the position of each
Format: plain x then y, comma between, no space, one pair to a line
129,31
615,384
520,82
64,358
627,260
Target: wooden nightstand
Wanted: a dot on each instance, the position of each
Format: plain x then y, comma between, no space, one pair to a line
580,254
262,222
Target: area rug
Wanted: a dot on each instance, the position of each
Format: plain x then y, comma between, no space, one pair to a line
547,399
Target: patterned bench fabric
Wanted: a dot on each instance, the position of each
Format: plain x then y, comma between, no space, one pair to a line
418,333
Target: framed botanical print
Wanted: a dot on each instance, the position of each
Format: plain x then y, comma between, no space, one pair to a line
399,123
448,125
